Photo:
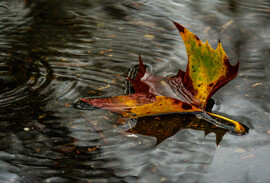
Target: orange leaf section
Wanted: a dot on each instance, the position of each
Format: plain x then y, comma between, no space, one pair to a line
162,105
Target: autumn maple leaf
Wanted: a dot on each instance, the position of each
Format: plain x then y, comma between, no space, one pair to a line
187,92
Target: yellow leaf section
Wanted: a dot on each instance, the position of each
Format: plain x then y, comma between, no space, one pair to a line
162,105
206,66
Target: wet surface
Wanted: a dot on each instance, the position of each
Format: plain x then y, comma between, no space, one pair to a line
54,52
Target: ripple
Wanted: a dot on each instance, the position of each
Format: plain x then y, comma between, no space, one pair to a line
21,79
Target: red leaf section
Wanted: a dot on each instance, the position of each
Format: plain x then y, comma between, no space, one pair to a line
121,104
139,86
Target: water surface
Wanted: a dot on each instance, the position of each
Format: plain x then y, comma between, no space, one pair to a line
54,52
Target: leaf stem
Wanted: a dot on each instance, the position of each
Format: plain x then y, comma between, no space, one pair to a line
236,128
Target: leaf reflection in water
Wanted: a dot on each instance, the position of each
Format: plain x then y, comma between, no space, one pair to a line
165,126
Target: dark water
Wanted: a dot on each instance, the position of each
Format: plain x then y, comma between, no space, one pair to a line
54,52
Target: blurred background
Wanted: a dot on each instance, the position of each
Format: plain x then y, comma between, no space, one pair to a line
54,52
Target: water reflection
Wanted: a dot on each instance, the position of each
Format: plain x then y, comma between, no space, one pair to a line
165,126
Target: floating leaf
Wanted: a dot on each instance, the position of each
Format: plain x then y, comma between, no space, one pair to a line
187,92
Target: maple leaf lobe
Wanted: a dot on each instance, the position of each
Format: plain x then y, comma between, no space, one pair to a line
207,70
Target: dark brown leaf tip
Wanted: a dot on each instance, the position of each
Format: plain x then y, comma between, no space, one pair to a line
179,27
